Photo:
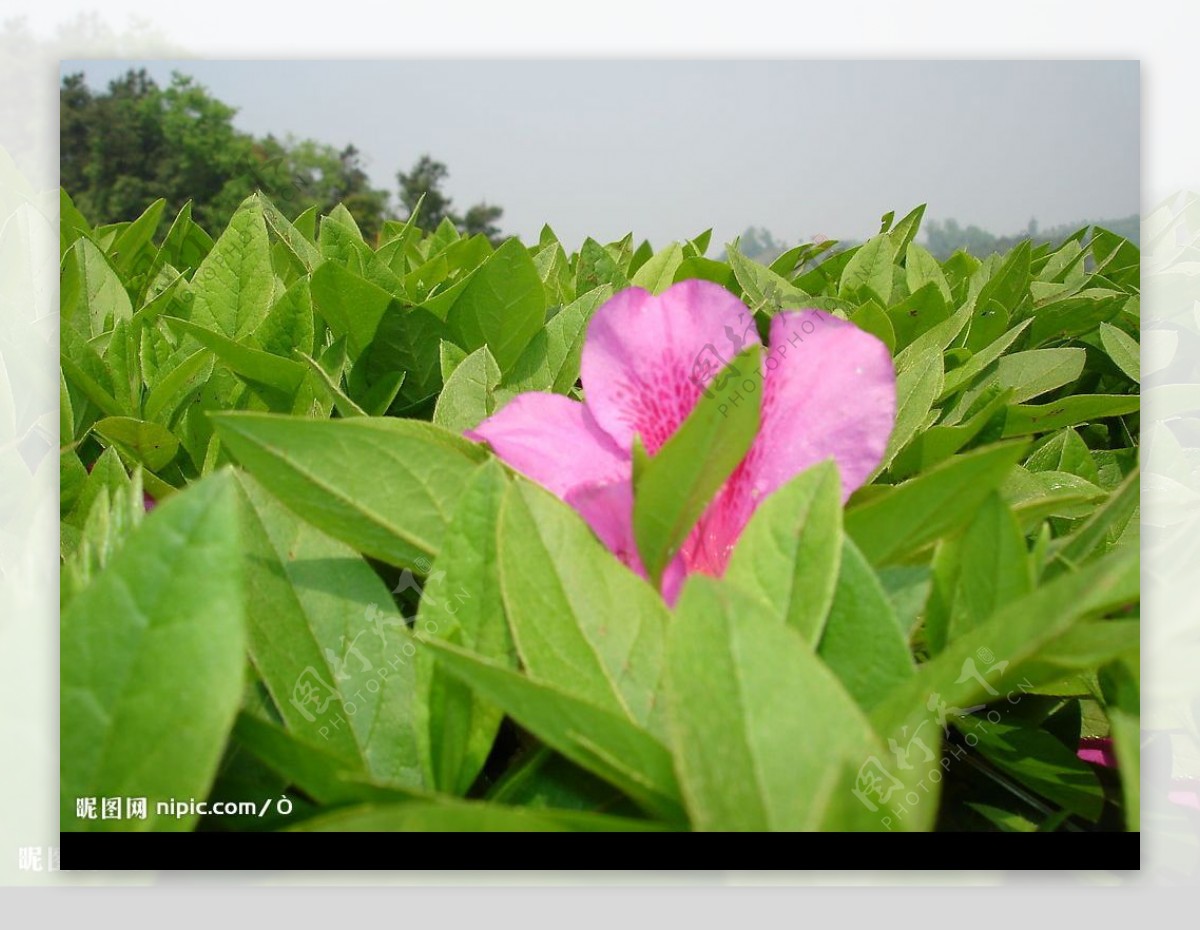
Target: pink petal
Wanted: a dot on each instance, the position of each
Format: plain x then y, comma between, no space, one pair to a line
829,392
646,359
1097,751
554,441
608,510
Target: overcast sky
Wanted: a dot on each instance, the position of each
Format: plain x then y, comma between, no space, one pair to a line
669,148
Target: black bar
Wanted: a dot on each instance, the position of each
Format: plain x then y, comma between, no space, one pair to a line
215,851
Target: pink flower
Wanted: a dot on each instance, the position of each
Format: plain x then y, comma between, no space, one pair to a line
829,391
1097,751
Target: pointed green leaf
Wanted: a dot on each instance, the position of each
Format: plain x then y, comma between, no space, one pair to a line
393,504
152,662
790,551
759,727
691,466
233,286
581,620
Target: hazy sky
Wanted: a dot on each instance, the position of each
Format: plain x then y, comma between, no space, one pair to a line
669,148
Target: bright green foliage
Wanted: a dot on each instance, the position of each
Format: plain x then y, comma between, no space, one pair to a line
392,626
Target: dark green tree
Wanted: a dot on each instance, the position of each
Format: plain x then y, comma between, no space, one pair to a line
425,180
123,148
422,184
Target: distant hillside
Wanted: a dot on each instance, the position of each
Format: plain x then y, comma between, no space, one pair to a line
944,237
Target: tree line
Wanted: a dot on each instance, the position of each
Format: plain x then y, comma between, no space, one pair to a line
125,147
945,237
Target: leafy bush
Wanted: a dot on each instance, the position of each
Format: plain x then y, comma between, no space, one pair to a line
338,598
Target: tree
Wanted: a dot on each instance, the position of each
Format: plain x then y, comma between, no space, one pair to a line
135,142
425,180
481,220
758,243
308,173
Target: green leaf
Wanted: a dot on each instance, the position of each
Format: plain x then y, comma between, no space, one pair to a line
977,574
107,473
765,291
131,250
185,244
873,318
91,298
870,268
760,728
450,357
705,269
71,223
914,514
975,365
313,769
72,480
1065,451
581,620
1122,349
174,388
352,306
345,405
542,778
1015,651
597,267
907,228
254,365
123,359
658,273
407,339
382,485
1000,298
696,247
297,243
555,271
152,444
691,466
289,323
1101,531
1002,820
1075,315
917,386
115,510
938,443
1034,496
1039,761
233,286
468,396
863,642
921,268
90,381
917,313
1026,374
1027,419
1120,683
330,647
551,361
461,604
938,336
152,660
790,551
604,743
503,305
